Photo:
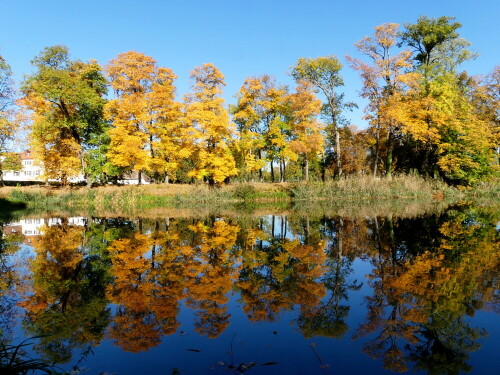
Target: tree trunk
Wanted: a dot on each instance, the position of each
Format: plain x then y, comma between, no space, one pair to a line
272,171
166,179
323,167
260,169
389,161
307,169
281,170
337,146
377,148
139,178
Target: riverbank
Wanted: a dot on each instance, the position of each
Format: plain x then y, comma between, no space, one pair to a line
351,189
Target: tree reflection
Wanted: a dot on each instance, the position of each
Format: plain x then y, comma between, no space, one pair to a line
10,243
278,273
67,304
329,317
422,299
428,275
213,275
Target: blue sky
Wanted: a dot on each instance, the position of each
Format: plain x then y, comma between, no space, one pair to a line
242,38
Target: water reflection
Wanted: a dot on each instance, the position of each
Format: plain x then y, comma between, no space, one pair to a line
92,279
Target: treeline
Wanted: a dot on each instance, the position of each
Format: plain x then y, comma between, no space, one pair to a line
424,115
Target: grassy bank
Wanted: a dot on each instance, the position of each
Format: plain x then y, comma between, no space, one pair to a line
129,199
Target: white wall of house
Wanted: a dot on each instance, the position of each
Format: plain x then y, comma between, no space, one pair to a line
30,172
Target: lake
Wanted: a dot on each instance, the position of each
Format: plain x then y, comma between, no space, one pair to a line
274,293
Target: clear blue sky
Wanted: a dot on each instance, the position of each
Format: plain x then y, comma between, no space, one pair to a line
242,38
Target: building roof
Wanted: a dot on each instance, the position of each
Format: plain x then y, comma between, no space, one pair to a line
27,155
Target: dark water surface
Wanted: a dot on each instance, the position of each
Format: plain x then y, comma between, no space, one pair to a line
276,294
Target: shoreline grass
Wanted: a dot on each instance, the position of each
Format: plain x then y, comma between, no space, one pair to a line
357,190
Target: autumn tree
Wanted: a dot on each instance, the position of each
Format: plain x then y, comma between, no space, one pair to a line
66,100
210,129
146,133
249,117
324,74
354,152
437,112
306,129
383,80
262,107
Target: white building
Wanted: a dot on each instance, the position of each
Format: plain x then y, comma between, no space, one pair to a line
30,171
34,173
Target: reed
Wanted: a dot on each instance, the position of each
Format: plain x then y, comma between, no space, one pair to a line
129,199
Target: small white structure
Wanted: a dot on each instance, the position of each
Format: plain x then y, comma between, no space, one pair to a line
132,178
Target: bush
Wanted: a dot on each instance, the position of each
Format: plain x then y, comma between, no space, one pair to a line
244,192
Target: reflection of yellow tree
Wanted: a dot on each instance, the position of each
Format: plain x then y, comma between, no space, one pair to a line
171,262
215,274
67,301
278,274
134,326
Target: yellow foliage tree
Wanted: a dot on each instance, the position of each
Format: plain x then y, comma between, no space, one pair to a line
306,129
210,129
147,132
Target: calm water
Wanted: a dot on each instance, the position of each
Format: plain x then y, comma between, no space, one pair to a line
277,294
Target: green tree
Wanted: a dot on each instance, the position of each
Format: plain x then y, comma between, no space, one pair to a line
436,41
324,74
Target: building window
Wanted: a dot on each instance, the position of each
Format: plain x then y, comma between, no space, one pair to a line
16,173
28,173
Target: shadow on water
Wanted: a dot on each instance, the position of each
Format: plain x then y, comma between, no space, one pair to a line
8,209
